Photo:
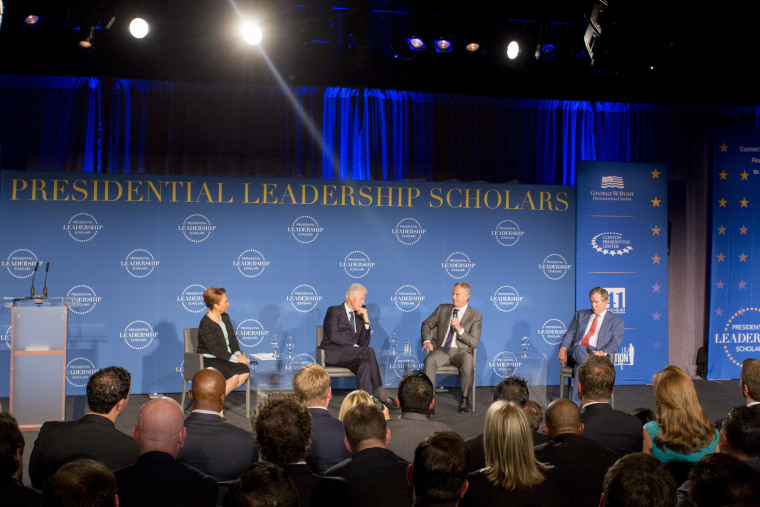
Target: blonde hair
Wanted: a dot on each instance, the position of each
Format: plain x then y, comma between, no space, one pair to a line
311,385
511,463
353,399
684,427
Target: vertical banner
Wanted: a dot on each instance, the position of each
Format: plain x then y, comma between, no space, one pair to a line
734,309
623,247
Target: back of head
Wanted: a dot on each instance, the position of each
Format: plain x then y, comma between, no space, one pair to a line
721,479
106,388
353,399
644,414
441,464
262,485
11,442
80,483
562,416
282,429
415,392
208,390
639,480
535,414
597,378
365,423
161,426
750,377
513,389
311,385
741,430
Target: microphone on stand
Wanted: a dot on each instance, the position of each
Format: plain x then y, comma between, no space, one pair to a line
44,289
33,277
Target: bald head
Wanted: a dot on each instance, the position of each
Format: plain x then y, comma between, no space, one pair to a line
562,416
160,427
208,390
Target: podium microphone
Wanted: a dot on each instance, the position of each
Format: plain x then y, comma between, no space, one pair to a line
44,289
34,276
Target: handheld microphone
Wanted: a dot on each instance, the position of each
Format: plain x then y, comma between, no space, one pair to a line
44,289
456,312
34,276
590,351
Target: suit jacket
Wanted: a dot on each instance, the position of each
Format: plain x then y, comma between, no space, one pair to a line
376,478
318,491
217,448
338,333
158,480
613,429
328,446
211,338
482,492
583,464
408,430
15,494
609,339
435,326
478,452
93,436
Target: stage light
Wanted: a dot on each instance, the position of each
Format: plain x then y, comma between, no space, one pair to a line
443,46
416,44
513,50
472,47
139,28
252,34
32,20
86,43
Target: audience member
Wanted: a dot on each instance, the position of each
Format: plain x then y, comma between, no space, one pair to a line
12,491
721,479
356,397
682,431
643,414
212,445
312,387
582,461
749,381
157,479
376,476
415,397
638,480
535,415
616,430
513,475
282,428
83,482
438,474
263,485
94,435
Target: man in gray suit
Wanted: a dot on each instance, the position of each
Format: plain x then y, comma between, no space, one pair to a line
415,397
449,335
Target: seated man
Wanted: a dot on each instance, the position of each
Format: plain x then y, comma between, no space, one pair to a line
449,335
263,485
638,480
12,490
439,471
749,381
212,445
80,482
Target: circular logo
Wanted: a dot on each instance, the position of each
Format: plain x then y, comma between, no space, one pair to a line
554,266
357,264
507,233
251,263
138,334
407,298
181,370
79,370
192,298
408,231
139,263
82,227
21,263
506,298
458,265
298,362
82,299
304,298
611,243
305,229
552,331
196,228
6,337
250,333
740,335
405,363
505,364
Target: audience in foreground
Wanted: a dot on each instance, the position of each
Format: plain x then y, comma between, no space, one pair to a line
79,483
438,474
749,381
721,479
12,492
262,485
638,480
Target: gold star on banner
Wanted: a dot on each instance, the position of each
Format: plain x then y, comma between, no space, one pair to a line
743,230
744,175
744,202
721,257
722,202
656,231
742,284
721,230
656,259
655,174
656,287
656,316
655,202
743,257
720,284
724,148
719,312
723,174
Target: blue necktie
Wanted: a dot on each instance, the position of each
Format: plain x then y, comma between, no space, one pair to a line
450,337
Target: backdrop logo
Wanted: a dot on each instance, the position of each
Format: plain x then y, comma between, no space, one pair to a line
506,298
196,228
741,335
611,243
138,334
357,264
6,337
82,299
552,331
408,231
505,364
139,263
305,229
617,299
20,263
612,182
251,263
405,362
250,333
298,362
407,298
554,266
79,370
304,298
507,233
458,265
624,356
192,298
82,227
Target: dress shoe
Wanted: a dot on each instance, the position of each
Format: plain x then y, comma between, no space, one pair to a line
464,405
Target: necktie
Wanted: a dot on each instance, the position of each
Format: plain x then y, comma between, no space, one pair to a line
591,331
450,337
353,322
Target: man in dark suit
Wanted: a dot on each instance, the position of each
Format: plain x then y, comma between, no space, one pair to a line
158,479
12,490
596,330
83,481
616,430
346,343
439,471
582,462
749,381
213,446
449,335
311,384
94,435
376,477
